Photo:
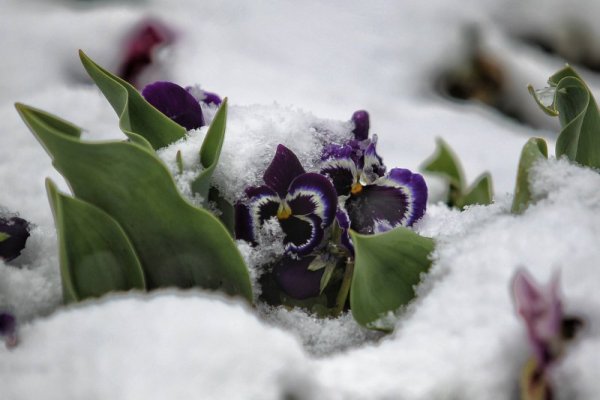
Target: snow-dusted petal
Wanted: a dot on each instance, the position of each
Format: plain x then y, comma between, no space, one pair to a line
415,188
212,98
262,204
284,168
17,230
372,164
176,103
295,279
303,234
313,194
361,124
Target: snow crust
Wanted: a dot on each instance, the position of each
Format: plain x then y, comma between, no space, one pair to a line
460,339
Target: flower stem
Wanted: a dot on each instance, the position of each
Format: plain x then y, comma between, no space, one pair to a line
342,296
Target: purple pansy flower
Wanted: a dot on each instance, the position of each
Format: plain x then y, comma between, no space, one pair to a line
175,102
303,203
542,311
14,232
371,200
141,47
8,329
296,279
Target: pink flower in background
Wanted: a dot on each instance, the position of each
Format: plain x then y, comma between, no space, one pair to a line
141,48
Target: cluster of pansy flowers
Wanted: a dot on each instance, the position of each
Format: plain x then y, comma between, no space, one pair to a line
316,210
351,189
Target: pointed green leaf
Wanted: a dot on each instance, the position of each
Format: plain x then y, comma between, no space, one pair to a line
176,243
179,161
481,192
211,150
387,268
445,162
138,119
534,150
3,236
96,257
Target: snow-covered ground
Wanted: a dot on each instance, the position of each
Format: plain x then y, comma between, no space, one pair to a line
287,67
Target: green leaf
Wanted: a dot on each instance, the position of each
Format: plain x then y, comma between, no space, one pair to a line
387,268
579,139
179,161
481,192
96,257
210,151
3,236
534,150
445,162
227,211
138,119
176,243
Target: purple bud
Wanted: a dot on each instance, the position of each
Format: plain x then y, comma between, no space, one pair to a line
17,230
361,125
175,102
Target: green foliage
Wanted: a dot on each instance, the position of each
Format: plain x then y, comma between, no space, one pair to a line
176,243
577,111
534,150
138,119
445,163
387,268
96,256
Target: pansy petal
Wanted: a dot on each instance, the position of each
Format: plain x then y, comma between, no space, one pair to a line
17,230
176,103
8,328
262,204
342,172
295,279
372,164
303,234
212,98
313,194
343,221
284,168
398,199
361,124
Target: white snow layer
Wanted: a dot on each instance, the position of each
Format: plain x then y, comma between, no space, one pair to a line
460,339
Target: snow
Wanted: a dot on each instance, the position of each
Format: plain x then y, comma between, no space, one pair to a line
287,84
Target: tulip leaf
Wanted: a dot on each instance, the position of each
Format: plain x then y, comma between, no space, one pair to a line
579,138
387,268
481,192
445,163
3,236
226,209
96,257
138,119
210,151
176,243
534,150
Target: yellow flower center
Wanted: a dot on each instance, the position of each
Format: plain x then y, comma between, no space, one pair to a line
284,211
356,188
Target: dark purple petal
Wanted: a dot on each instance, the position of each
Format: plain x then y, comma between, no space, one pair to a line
361,124
212,98
313,194
284,168
303,234
343,220
262,204
176,103
415,186
295,279
140,48
397,199
342,172
8,328
17,230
